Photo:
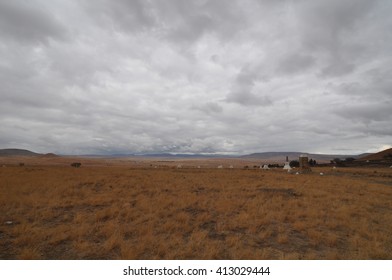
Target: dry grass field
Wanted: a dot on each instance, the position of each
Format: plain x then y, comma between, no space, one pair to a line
106,210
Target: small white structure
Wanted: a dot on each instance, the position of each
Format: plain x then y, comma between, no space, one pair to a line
198,166
220,166
265,166
179,166
287,164
321,173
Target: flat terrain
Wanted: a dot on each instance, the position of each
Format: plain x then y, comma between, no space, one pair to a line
126,209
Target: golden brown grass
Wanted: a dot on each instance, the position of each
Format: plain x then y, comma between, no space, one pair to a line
118,212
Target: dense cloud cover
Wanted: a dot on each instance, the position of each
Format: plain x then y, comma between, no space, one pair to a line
200,76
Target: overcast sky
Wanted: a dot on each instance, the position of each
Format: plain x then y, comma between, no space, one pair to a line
218,76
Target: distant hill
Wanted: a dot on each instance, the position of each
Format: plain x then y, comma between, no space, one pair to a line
363,155
17,152
385,155
49,155
162,155
272,157
281,156
167,155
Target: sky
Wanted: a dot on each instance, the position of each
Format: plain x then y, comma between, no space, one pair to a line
199,76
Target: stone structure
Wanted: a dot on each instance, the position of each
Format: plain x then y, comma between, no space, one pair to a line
303,161
304,164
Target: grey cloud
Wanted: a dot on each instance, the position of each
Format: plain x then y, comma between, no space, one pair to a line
195,76
174,20
369,84
209,108
247,98
27,21
336,31
337,69
187,20
379,81
295,63
243,90
367,112
326,23
384,130
122,15
353,88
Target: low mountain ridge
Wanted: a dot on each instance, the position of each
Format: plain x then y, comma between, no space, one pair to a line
17,152
385,155
265,156
281,156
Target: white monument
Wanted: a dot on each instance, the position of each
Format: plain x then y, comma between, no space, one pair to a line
287,164
265,166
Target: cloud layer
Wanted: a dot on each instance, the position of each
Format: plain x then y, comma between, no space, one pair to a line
202,76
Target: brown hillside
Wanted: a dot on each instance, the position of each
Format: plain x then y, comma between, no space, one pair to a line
380,156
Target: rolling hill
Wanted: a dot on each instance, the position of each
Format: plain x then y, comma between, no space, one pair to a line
281,156
272,157
17,152
385,155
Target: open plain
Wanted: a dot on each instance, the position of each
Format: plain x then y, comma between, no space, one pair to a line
151,209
